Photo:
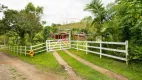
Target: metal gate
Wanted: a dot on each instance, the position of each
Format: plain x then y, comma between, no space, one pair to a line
60,44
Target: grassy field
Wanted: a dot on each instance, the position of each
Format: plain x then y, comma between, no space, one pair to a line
44,61
85,72
133,71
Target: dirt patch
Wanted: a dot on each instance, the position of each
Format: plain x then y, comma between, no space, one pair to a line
28,71
97,68
71,73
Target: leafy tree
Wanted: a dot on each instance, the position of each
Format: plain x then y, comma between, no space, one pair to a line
35,15
53,28
24,21
2,29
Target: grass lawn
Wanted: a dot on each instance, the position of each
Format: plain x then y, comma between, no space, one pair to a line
84,71
44,61
133,71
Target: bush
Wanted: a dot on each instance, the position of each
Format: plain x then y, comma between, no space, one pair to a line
135,52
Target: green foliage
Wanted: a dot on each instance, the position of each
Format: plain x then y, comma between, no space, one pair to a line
119,21
99,13
46,32
26,21
53,28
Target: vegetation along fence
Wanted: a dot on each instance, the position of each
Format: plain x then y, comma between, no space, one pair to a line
118,50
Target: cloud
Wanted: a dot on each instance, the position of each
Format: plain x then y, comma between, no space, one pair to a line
55,11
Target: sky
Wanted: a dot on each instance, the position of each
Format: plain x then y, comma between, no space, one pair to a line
56,11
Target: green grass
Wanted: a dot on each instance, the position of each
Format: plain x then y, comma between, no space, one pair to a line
84,71
44,61
133,71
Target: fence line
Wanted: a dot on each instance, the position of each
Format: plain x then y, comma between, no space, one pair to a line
25,49
53,45
85,45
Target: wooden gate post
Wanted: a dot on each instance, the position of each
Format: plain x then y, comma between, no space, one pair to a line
126,48
47,45
86,47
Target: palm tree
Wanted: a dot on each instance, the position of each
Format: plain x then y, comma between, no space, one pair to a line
98,11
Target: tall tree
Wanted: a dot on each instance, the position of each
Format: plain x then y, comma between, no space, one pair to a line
24,21
98,11
2,29
35,16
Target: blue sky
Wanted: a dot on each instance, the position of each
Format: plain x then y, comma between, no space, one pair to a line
56,11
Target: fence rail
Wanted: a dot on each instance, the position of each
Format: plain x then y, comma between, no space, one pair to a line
86,45
2,46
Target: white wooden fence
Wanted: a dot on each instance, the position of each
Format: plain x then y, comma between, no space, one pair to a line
19,49
85,45
54,45
38,48
2,46
26,49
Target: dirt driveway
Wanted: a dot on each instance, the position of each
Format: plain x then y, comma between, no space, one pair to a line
12,68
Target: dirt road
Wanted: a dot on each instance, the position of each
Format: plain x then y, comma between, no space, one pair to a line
12,68
71,73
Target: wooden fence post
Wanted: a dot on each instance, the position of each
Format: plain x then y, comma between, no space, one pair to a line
9,47
17,49
31,48
77,45
70,38
25,50
60,45
126,48
14,49
20,49
100,49
47,45
86,47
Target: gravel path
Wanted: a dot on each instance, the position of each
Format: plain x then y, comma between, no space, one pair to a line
97,68
12,68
